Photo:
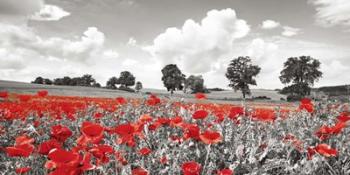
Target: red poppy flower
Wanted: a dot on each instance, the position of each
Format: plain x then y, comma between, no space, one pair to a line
145,151
152,100
24,98
344,117
124,129
23,170
23,140
191,168
176,121
200,114
92,131
62,156
60,133
266,115
326,150
101,152
4,94
200,96
225,172
121,100
20,151
126,134
98,115
210,137
42,93
191,131
306,104
139,171
47,146
235,112
325,131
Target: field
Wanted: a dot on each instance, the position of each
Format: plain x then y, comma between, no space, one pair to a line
59,130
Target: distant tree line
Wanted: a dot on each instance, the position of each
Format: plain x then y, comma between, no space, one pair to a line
299,74
125,80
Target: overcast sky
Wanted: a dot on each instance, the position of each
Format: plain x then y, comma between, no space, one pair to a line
55,38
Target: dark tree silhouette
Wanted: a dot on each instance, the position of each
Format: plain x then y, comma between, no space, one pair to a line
301,72
111,83
86,80
38,80
126,79
172,78
241,73
48,81
195,83
138,86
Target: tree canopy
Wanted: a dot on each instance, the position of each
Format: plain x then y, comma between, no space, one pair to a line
126,79
301,72
173,79
241,73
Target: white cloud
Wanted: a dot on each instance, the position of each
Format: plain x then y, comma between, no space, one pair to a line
22,41
50,13
270,24
196,45
290,31
332,12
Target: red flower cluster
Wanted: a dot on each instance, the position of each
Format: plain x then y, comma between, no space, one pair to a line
191,168
306,104
200,114
23,147
323,149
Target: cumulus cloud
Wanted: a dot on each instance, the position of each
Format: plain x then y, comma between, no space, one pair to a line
332,12
21,41
50,13
196,45
290,31
270,24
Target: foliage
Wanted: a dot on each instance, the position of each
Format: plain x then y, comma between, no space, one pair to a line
301,72
138,86
172,78
195,83
38,80
241,73
111,83
126,79
85,80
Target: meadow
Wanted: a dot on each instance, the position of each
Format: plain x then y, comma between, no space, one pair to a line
48,134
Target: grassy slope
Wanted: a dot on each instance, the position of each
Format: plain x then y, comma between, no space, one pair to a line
220,96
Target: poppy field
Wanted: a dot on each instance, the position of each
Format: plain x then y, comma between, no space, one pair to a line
63,135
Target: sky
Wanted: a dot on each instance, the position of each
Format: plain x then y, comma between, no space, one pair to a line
56,38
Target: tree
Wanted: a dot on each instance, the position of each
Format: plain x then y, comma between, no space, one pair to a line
38,80
138,86
126,79
87,80
48,81
241,73
111,83
172,78
195,83
66,80
301,72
